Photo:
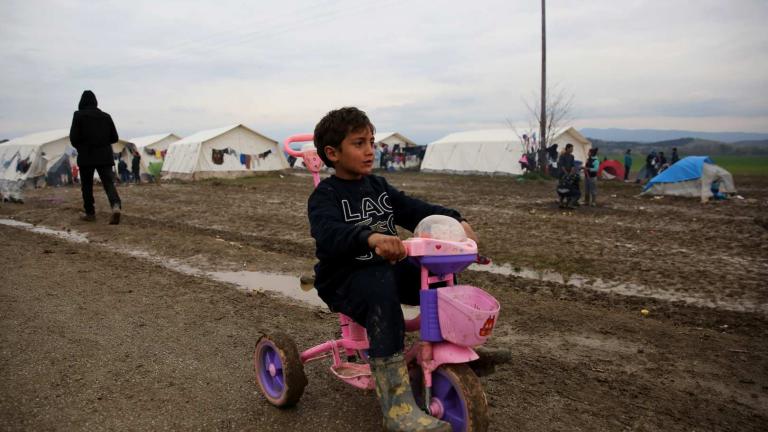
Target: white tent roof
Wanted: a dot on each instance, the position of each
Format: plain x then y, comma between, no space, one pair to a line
383,136
141,142
40,138
207,135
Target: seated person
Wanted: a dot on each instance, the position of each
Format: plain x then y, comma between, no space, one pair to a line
360,272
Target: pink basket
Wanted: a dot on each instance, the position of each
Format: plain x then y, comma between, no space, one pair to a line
467,314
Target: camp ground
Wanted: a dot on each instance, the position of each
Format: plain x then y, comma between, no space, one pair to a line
230,151
693,176
152,149
490,151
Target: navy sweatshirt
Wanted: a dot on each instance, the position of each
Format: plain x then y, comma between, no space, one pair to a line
344,213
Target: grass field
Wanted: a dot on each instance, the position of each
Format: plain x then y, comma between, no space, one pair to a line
736,165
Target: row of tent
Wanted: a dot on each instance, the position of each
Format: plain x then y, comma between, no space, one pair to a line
237,150
230,151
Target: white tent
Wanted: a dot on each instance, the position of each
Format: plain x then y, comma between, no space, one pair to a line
570,135
152,147
38,152
392,138
490,151
486,151
231,151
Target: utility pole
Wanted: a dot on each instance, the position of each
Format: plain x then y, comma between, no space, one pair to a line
543,165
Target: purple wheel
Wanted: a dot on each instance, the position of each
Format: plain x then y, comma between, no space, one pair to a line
279,371
457,397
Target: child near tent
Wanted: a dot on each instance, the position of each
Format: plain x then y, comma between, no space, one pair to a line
360,272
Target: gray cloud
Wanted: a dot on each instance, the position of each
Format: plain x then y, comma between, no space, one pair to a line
422,68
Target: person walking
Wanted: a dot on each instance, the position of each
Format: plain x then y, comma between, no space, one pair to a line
135,167
92,134
627,164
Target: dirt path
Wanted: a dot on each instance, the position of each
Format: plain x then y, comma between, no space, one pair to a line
93,338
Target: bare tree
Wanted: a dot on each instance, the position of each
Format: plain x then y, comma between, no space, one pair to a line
556,115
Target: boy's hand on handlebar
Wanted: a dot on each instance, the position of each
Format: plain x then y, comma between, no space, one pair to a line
388,247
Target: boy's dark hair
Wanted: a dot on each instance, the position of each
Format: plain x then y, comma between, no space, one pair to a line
334,127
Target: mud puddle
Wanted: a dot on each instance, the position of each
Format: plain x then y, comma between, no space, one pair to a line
622,288
248,281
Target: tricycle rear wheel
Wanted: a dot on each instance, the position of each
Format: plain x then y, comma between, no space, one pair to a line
279,371
457,397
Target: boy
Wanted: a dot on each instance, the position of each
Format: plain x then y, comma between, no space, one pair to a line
361,274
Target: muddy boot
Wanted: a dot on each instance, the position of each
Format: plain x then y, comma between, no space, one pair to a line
114,219
396,398
87,217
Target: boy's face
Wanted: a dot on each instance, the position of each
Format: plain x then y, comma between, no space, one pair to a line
354,157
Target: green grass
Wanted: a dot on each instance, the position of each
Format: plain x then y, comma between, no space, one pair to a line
736,165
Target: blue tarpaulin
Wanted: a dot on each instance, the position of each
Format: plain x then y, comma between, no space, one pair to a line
688,168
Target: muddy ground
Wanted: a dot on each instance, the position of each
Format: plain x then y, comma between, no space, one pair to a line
96,336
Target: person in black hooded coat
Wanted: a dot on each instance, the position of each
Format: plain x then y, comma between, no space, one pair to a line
92,134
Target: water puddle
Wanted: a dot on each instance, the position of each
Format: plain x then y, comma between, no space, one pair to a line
72,236
289,286
623,288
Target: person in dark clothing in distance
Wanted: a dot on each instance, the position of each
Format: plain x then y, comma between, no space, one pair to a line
360,272
136,167
122,171
675,157
92,134
566,161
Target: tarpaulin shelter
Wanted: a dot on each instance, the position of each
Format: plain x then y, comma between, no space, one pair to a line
691,177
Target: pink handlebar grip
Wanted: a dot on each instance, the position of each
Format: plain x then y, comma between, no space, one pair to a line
296,138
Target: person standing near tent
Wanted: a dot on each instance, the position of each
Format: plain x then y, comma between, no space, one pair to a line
675,156
92,134
135,169
590,178
627,163
565,162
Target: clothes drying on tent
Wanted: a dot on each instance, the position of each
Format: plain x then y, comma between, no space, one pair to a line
611,168
692,176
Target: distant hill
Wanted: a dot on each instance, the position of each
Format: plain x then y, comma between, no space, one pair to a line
656,135
685,146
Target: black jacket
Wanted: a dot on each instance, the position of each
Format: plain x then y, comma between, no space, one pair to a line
344,213
92,133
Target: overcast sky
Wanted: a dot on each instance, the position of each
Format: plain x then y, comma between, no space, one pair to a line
423,68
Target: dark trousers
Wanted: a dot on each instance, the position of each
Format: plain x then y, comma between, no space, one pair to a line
626,171
107,180
372,298
136,176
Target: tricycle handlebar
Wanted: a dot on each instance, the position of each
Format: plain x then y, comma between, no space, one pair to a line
296,138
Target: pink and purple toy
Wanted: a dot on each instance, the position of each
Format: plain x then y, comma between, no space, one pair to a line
453,319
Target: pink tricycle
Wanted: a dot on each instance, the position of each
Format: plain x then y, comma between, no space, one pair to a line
453,319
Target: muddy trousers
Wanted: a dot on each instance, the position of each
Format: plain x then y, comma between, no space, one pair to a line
107,180
373,298
590,189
